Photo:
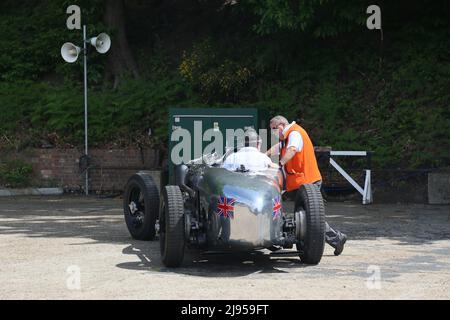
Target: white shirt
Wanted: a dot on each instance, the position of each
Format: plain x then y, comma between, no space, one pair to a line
250,157
295,138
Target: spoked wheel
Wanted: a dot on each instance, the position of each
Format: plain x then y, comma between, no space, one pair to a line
141,206
310,215
172,233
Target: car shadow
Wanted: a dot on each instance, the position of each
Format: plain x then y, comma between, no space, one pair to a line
211,264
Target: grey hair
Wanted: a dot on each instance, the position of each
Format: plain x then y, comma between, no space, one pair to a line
279,120
252,138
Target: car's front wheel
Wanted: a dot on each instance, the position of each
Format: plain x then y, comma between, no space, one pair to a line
172,238
311,210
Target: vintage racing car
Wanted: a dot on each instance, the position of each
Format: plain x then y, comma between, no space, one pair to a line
212,208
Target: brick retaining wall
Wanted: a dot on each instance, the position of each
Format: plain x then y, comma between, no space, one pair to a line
110,169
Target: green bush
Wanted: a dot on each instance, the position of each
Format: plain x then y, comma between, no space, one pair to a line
216,78
15,174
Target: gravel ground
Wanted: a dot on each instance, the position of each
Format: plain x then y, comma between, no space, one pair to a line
393,252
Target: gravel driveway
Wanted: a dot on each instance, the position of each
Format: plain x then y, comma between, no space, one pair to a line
79,248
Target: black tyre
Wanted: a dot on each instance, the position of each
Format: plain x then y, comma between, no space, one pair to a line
141,206
309,199
172,239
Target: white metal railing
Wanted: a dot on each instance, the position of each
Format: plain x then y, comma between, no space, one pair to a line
365,191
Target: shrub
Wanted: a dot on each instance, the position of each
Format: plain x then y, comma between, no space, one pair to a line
217,79
15,174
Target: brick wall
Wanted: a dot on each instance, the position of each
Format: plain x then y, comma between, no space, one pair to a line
109,169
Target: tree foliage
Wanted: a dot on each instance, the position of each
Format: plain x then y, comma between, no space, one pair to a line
32,33
321,18
313,61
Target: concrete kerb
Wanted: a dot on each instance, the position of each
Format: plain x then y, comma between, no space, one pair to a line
31,192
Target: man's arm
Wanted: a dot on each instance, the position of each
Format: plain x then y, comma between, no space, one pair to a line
290,153
295,145
274,150
268,162
273,165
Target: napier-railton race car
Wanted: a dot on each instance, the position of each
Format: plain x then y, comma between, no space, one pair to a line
212,208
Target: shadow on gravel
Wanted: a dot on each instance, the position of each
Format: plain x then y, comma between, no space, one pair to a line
210,264
101,221
93,219
409,224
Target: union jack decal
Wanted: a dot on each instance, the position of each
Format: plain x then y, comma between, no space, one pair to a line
276,207
225,207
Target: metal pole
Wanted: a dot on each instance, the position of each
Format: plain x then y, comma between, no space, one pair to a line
85,110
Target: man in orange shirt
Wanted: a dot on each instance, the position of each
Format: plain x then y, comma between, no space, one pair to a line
299,163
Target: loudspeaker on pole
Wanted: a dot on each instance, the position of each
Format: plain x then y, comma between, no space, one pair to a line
102,43
70,52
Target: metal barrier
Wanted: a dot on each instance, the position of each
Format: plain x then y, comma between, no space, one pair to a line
365,191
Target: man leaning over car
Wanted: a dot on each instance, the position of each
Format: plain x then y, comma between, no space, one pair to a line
300,167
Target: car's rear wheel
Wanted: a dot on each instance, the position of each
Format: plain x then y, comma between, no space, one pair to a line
311,243
141,206
172,233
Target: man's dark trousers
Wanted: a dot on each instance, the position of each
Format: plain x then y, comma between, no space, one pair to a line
332,237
